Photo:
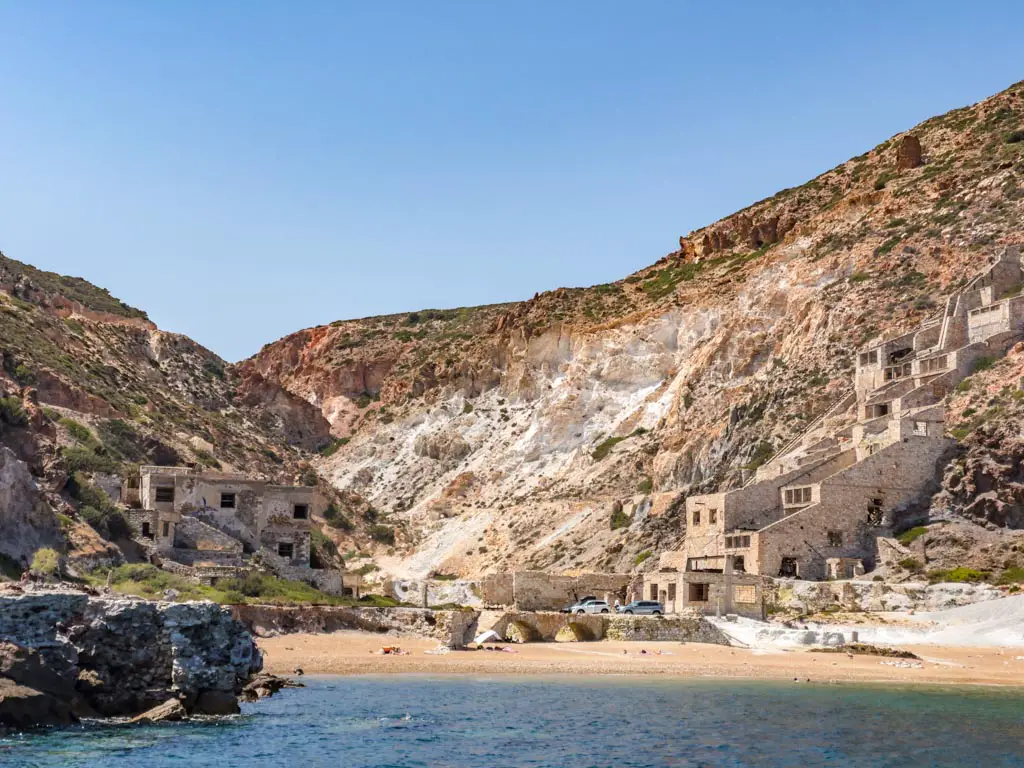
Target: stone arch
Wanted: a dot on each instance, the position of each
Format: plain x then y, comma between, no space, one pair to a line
575,633
520,632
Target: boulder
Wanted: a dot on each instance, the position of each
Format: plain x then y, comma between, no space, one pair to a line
216,703
170,711
265,684
23,707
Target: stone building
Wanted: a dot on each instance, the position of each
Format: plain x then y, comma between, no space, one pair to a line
815,510
707,591
221,519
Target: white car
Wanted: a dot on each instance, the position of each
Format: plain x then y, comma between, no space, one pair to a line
591,606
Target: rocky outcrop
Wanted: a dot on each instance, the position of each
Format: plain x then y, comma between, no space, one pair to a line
908,153
27,522
125,656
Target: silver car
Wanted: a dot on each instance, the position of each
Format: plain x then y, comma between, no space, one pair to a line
591,606
642,608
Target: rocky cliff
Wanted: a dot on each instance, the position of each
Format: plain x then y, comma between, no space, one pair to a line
85,656
564,431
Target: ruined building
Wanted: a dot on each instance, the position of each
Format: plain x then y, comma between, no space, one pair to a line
816,509
215,524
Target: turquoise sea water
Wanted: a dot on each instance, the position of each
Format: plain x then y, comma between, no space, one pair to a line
504,721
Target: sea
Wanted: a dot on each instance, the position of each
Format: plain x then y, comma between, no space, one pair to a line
412,720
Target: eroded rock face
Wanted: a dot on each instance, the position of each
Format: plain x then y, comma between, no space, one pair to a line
26,521
127,656
908,153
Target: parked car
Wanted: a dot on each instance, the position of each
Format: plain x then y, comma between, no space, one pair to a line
642,607
570,608
591,606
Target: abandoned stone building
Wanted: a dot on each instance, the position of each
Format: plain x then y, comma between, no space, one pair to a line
211,524
816,509
726,589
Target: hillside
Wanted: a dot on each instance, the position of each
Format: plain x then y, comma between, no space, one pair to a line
564,432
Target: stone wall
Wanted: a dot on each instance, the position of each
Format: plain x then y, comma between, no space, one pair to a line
815,596
540,591
430,592
497,589
449,627
191,533
125,656
543,626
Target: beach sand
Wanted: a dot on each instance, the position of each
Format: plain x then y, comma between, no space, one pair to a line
352,652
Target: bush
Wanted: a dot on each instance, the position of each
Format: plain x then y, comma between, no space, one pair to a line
1012,575
324,549
911,564
958,575
108,523
762,453
910,535
45,563
645,485
619,519
1014,137
642,556
385,534
78,431
332,447
12,412
206,458
9,568
336,519
982,364
83,459
121,439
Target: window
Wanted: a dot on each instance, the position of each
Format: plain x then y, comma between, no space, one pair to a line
875,512
699,593
696,517
921,428
744,593
133,481
788,567
300,512
285,549
934,364
165,494
798,496
167,530
671,591
654,591
835,538
869,358
227,501
147,532
738,564
712,516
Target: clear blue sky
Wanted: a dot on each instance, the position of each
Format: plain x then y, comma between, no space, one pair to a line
241,170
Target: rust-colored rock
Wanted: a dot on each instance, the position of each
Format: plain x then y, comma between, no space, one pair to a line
908,153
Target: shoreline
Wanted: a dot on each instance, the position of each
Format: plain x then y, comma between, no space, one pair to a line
350,652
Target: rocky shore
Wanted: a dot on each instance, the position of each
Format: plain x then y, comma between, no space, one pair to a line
68,655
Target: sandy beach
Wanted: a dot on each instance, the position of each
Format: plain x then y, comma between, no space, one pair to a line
351,652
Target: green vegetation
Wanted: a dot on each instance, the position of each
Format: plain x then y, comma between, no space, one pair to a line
911,564
888,245
958,575
96,509
605,446
884,179
467,407
908,536
1012,575
642,556
332,447
982,364
45,563
206,458
78,431
619,519
1014,137
385,534
82,459
12,413
122,440
324,549
74,288
645,485
336,519
762,453
859,277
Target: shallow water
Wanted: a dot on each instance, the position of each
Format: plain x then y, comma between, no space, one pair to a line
505,721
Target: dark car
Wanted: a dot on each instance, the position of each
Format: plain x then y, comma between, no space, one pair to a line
642,607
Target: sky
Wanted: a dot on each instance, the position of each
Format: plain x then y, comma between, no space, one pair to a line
242,170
